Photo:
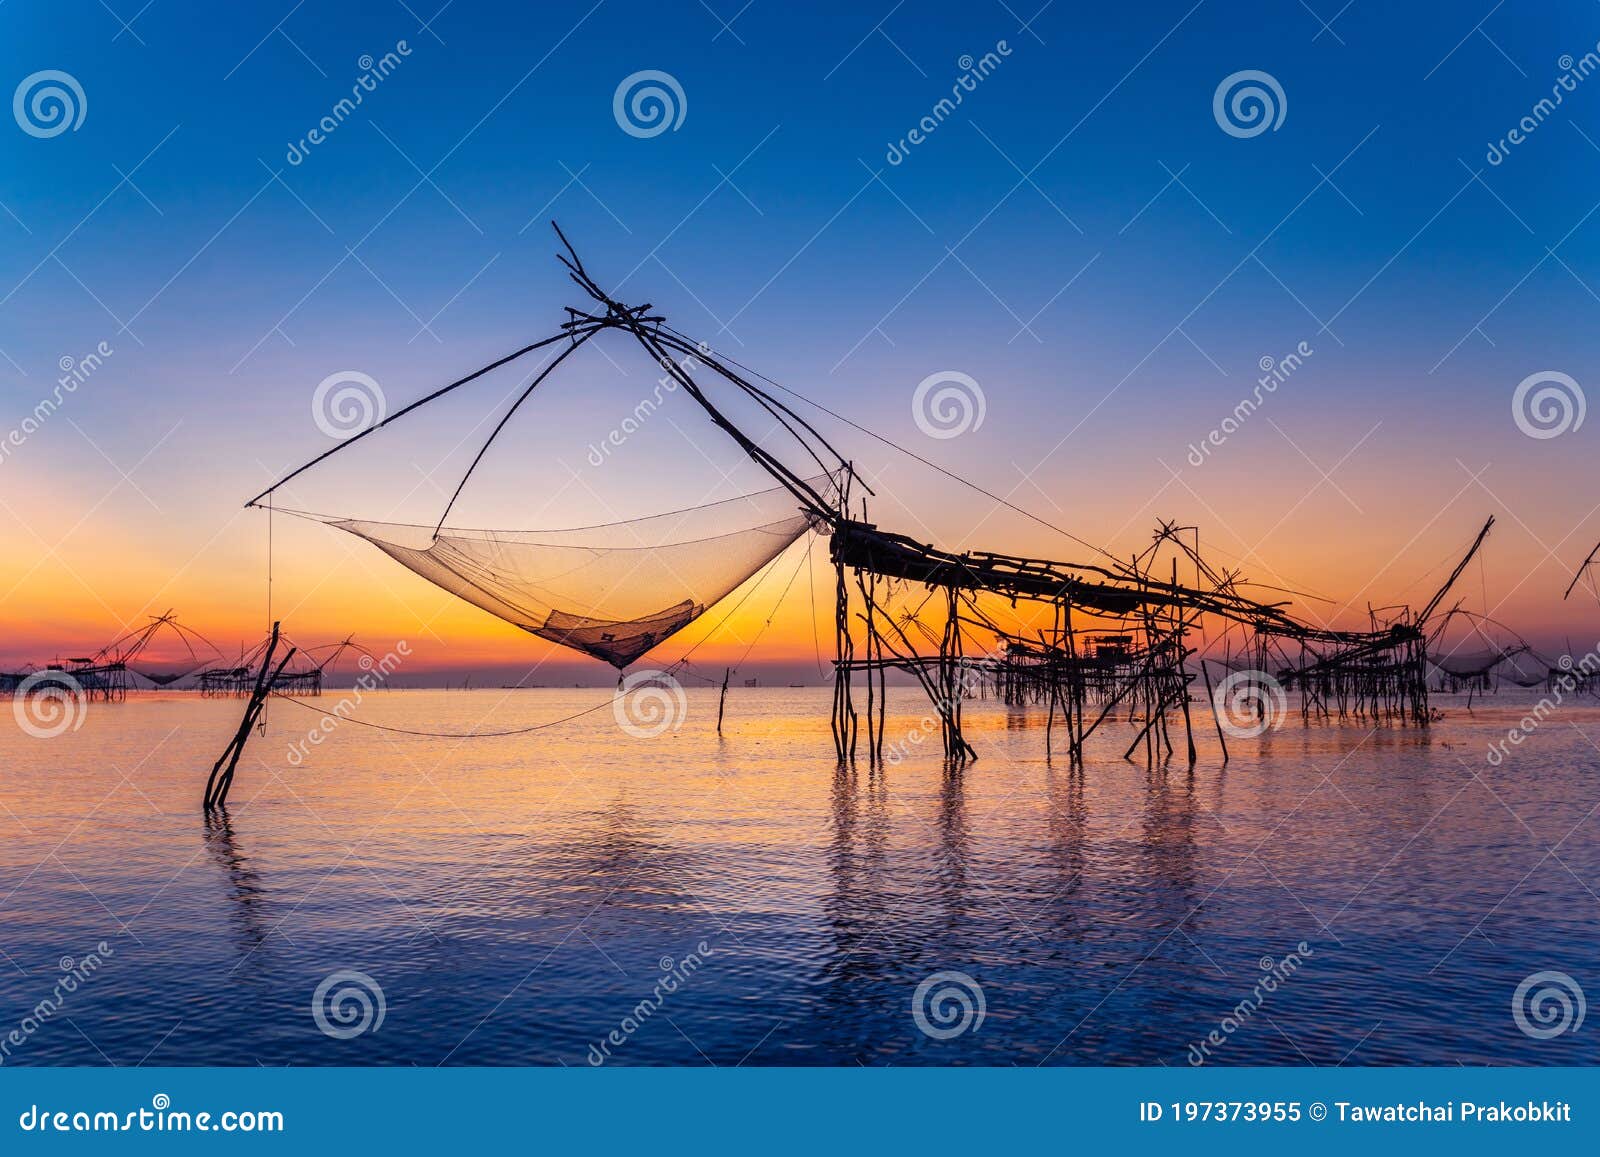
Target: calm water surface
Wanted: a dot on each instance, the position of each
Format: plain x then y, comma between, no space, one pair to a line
517,899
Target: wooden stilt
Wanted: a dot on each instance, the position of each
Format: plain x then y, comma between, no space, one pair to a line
221,778
1211,697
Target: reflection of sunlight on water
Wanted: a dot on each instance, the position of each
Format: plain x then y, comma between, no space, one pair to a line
514,897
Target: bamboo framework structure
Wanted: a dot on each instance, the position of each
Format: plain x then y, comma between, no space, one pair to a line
1107,639
1115,641
306,678
109,674
107,680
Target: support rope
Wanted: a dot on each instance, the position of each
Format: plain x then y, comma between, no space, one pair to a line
449,734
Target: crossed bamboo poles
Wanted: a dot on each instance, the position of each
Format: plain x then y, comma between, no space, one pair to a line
1125,593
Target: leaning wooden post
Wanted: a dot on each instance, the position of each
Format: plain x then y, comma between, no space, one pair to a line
1181,624
723,698
221,778
1211,696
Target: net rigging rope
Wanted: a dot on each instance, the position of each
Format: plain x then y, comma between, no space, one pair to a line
968,483
932,465
449,734
805,557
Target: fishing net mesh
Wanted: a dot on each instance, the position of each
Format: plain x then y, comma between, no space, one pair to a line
162,652
1466,665
613,591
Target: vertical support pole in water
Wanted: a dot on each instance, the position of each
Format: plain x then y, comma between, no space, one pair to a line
868,582
1211,697
844,711
723,698
1181,624
221,778
948,693
952,682
1052,652
883,687
1077,691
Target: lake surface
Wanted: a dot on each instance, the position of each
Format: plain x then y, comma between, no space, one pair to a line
537,899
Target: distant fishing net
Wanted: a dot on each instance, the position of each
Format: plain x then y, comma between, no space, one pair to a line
1467,666
164,651
613,591
1522,680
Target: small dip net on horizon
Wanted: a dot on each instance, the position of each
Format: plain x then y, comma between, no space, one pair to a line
613,591
163,651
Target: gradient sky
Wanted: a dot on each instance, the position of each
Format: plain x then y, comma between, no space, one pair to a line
1080,236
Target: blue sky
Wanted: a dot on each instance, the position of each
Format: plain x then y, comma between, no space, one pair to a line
1080,236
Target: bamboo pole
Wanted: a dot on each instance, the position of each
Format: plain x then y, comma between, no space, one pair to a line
220,780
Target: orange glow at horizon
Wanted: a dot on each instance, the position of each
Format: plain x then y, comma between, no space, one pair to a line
326,588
